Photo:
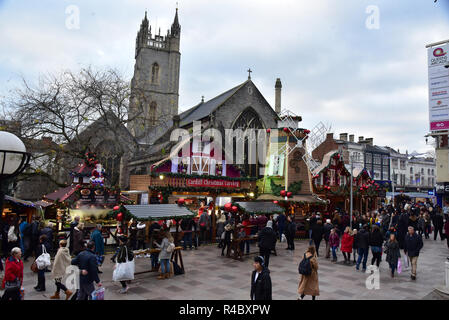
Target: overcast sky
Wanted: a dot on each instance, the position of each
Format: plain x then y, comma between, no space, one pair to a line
367,82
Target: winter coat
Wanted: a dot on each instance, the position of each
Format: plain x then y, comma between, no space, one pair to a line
438,220
327,230
262,222
346,242
290,231
267,238
163,246
393,252
334,240
281,220
413,244
87,260
308,285
317,232
78,241
99,242
120,255
62,261
13,271
141,234
376,239
204,221
49,242
446,228
261,288
362,239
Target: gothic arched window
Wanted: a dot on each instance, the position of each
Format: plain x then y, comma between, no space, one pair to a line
152,113
248,119
155,73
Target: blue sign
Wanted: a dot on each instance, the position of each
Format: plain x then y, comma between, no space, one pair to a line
431,193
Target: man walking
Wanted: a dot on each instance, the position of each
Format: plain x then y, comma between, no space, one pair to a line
290,233
326,232
267,242
281,224
73,224
260,281
412,245
362,240
438,223
87,263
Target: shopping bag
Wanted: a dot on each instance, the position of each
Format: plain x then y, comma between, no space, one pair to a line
43,261
124,271
22,293
399,266
406,262
98,294
283,238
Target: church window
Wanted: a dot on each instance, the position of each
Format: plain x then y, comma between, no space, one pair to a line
155,74
152,113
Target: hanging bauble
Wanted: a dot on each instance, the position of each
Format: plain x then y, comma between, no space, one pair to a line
181,202
283,192
289,194
234,209
228,206
275,202
285,130
306,131
116,207
268,130
120,216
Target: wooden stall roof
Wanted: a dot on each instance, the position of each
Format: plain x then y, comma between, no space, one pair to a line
20,202
159,211
260,207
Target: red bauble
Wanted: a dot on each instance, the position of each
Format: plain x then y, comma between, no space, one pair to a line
268,130
306,131
289,194
234,209
285,130
120,217
275,202
181,201
283,193
228,206
116,207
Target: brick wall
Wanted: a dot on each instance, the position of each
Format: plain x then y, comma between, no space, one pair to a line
139,182
328,145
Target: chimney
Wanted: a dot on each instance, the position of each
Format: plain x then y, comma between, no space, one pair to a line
176,120
344,136
351,138
369,141
361,139
277,99
329,136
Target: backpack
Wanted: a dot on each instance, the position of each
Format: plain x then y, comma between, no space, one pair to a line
171,247
305,268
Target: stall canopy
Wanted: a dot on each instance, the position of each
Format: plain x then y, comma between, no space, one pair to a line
20,202
295,198
159,211
411,195
260,207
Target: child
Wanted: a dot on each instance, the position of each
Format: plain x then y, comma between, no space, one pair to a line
334,242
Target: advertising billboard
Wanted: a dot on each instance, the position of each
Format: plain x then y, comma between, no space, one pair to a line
438,87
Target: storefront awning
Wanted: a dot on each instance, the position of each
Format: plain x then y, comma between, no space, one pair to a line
411,195
159,211
20,202
260,207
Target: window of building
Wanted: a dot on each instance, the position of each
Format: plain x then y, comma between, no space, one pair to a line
152,113
411,170
385,161
402,165
411,180
369,158
422,170
332,177
428,172
433,173
376,159
155,73
394,163
429,182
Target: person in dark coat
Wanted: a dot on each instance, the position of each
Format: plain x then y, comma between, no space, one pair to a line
281,221
73,224
362,243
326,232
290,233
393,253
87,263
412,246
402,228
78,239
260,281
48,232
187,226
375,241
43,243
120,257
438,223
317,235
267,242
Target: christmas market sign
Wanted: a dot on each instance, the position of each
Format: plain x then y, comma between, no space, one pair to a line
98,196
212,183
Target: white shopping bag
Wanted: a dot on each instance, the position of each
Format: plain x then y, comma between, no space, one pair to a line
124,271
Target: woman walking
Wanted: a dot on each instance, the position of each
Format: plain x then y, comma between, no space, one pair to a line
78,239
308,285
165,255
12,281
375,241
334,242
62,261
393,253
354,244
347,242
43,246
123,252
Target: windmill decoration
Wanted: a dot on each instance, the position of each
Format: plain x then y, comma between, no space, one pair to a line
315,137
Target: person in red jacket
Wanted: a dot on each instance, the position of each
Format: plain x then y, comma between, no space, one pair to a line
346,245
12,281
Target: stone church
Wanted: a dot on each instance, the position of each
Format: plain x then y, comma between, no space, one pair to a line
155,89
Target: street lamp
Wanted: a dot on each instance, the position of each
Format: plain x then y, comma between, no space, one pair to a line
13,159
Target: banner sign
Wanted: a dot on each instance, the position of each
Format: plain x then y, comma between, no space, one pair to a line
212,183
438,87
98,197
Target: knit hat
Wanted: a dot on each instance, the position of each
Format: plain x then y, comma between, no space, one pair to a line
260,260
328,220
270,224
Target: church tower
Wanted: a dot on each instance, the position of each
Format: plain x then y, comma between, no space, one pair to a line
155,84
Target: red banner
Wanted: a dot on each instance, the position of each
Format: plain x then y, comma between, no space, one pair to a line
212,183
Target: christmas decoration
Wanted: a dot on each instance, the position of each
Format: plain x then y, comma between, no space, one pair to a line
289,194
228,207
119,216
268,130
282,193
181,201
234,209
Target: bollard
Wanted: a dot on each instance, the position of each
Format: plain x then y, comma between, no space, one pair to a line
445,289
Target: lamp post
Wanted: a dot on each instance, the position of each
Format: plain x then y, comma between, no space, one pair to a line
351,200
13,159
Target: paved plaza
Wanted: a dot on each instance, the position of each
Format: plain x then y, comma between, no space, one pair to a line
212,277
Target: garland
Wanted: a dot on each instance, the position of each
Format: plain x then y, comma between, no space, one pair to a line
294,188
197,176
169,190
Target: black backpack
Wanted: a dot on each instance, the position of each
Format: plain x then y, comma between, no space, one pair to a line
305,268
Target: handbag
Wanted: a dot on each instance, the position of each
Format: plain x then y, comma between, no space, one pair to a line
12,237
399,266
43,261
33,267
171,247
10,285
98,294
124,271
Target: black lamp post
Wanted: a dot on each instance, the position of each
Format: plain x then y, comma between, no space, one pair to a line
13,159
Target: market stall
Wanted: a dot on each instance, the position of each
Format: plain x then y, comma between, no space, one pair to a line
13,208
